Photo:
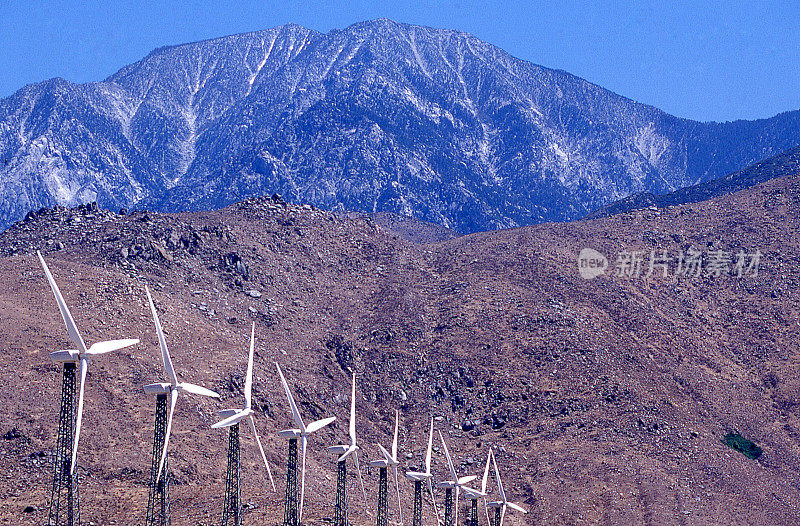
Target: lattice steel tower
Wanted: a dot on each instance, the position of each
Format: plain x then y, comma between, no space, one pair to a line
383,504
473,513
417,503
158,509
64,502
290,502
232,507
340,512
448,507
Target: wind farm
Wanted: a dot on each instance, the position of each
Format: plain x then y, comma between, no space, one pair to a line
159,510
408,343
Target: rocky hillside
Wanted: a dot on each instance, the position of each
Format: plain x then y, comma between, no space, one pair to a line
608,400
781,165
378,117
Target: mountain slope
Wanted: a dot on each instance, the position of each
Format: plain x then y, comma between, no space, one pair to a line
607,401
380,116
781,165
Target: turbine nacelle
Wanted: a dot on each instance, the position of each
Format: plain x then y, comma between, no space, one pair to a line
225,413
69,356
417,476
472,494
235,418
157,389
380,463
290,433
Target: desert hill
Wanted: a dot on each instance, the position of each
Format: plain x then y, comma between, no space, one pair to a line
607,400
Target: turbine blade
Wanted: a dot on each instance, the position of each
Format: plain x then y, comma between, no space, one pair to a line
385,453
261,449
485,480
248,383
230,420
319,424
397,488
503,514
394,442
430,448
499,482
72,329
361,480
196,389
295,413
433,498
346,454
162,343
449,460
467,479
173,397
486,510
79,416
516,507
353,412
304,440
108,346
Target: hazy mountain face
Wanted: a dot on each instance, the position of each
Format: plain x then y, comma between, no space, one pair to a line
377,117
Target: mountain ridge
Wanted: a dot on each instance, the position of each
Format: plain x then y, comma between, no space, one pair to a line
378,116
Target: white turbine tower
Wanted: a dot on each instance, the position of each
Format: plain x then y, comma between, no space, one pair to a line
173,387
393,462
343,449
455,481
234,416
80,355
302,431
420,476
503,503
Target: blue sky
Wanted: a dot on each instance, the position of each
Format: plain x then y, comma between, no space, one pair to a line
703,60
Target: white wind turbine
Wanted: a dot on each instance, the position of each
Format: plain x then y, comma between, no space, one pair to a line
455,481
173,387
474,494
234,416
503,503
302,431
393,462
81,354
343,449
426,475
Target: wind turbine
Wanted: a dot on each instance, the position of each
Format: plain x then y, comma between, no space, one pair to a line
454,482
302,431
173,387
344,451
231,419
80,355
163,426
393,462
501,505
474,495
418,477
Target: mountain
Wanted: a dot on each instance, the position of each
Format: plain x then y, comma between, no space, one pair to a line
781,165
615,400
380,116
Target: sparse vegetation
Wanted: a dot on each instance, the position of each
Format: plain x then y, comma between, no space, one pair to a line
744,446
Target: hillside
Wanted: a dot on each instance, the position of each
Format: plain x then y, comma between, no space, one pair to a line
377,117
607,400
781,165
